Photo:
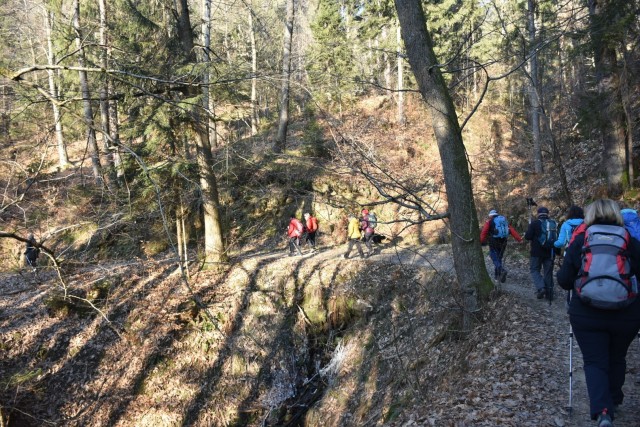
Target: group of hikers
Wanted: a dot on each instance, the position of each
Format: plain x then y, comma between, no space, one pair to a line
600,246
358,229
297,230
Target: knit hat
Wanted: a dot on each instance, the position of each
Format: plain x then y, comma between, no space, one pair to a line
365,212
543,212
493,212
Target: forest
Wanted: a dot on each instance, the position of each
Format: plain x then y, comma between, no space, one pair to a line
155,150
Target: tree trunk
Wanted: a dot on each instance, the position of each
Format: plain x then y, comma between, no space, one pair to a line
63,158
86,97
467,254
213,242
534,100
283,122
254,72
104,98
612,120
401,118
206,58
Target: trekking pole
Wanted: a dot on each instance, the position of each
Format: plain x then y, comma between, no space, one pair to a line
570,406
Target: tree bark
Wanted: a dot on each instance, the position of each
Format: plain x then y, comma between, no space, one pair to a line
86,97
214,244
283,122
465,239
400,112
533,89
63,158
104,98
254,72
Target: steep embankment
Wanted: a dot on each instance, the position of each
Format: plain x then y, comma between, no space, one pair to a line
316,339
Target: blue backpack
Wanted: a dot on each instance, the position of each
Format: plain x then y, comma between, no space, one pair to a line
500,227
631,222
549,233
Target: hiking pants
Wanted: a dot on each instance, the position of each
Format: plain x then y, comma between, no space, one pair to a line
496,252
311,238
539,280
294,243
368,239
350,246
604,342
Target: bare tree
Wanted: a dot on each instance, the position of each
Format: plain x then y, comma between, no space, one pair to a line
467,254
214,244
86,96
283,122
533,88
63,158
399,59
254,72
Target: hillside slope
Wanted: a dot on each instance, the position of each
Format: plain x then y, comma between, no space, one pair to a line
313,340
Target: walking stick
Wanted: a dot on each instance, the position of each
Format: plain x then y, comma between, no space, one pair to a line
570,406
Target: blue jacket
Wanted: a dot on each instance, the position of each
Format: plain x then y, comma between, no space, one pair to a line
631,222
564,236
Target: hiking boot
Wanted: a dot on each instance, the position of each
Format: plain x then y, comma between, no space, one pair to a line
540,294
604,420
503,276
345,256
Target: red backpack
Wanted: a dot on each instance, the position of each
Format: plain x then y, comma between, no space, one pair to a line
605,280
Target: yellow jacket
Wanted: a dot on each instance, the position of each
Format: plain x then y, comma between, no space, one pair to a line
354,229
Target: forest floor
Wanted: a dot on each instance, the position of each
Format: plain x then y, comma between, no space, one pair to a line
512,370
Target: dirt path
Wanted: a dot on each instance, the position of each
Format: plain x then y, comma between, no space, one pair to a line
549,337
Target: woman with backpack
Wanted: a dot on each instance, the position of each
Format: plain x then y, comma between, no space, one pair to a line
601,265
575,217
367,229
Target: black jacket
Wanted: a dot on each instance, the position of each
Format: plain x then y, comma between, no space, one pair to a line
568,273
533,233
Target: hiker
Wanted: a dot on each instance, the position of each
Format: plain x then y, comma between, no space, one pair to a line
294,232
631,221
31,252
604,335
575,217
311,226
368,223
353,236
542,233
496,231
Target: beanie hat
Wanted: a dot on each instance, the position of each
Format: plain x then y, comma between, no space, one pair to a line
365,212
543,212
493,212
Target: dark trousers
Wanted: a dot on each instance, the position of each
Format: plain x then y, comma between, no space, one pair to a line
294,243
544,280
368,241
496,253
604,343
350,246
311,238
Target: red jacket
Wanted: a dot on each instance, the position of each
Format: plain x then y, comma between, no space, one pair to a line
295,228
312,224
484,234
